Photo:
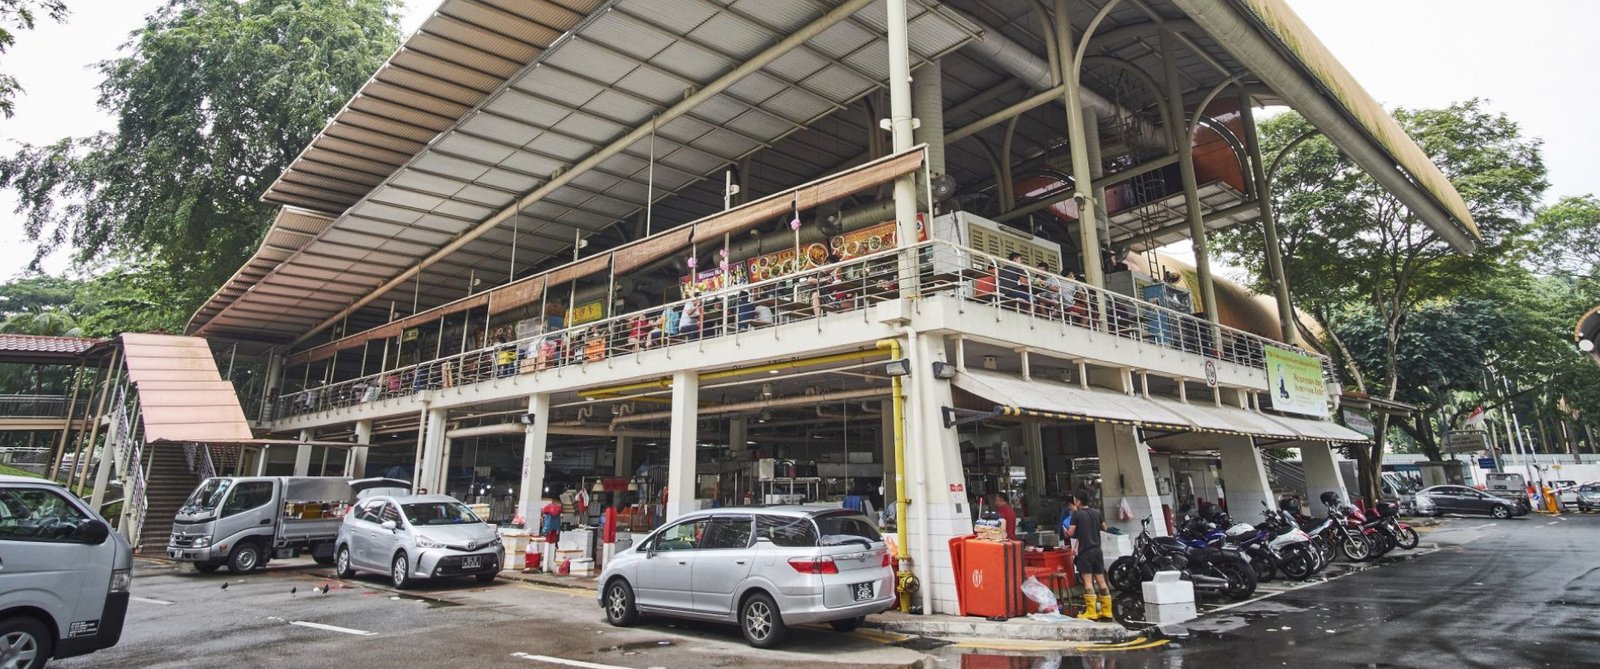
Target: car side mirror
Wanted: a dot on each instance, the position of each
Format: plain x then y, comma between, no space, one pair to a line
93,532
649,552
390,525
624,544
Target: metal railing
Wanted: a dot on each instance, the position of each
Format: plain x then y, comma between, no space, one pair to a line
941,269
37,406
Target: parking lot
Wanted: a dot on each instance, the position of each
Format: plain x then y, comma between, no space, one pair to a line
1481,592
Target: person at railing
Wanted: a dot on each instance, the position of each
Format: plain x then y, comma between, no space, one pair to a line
827,288
638,332
1046,292
1075,299
505,356
594,345
689,320
1013,279
746,310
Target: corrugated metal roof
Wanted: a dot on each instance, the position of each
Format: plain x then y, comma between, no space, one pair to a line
26,344
181,395
567,97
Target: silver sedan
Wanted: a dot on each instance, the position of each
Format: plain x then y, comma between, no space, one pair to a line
417,537
764,568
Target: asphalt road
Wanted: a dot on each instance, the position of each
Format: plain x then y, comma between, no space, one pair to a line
1501,594
180,618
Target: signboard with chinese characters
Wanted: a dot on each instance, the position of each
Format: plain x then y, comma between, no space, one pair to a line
713,279
588,312
1466,441
1294,381
1358,421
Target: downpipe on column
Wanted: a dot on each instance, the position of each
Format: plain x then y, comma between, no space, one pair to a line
907,582
922,487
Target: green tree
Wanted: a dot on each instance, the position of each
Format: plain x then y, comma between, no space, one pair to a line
1353,251
21,15
213,99
1566,237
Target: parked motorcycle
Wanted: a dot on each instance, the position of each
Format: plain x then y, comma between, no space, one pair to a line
1337,532
1212,568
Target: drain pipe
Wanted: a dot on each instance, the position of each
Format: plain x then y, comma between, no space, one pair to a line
918,423
907,581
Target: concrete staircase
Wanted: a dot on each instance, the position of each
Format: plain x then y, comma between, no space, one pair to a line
1285,476
168,485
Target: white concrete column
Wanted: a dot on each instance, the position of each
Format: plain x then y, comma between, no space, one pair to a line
622,464
937,485
1322,474
302,454
534,441
1126,474
442,480
1244,478
685,437
432,450
357,463
261,459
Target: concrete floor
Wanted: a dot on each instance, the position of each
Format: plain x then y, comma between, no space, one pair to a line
1503,594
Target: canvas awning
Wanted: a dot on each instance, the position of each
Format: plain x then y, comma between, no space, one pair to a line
1014,396
1306,429
1208,417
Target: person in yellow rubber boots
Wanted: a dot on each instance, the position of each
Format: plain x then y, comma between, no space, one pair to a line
1086,526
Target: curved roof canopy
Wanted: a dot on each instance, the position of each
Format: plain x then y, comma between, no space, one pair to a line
504,130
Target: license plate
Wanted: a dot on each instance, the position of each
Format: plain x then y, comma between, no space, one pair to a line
472,562
862,591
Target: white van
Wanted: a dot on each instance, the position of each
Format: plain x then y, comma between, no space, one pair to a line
64,575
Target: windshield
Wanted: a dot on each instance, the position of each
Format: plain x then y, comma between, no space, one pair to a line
838,529
439,513
1590,487
207,497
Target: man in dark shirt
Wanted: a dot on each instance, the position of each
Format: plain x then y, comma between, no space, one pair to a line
1013,278
1086,525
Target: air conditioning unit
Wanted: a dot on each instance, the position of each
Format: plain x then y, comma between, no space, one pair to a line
993,239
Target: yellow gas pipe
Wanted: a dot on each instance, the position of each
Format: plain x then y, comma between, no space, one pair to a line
907,582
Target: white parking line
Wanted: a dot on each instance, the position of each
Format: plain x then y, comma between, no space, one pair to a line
1551,523
332,628
567,662
147,600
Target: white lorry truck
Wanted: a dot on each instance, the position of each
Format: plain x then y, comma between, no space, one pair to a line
246,521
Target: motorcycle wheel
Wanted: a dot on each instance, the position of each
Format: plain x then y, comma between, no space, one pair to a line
1324,549
1298,562
1124,575
1356,547
1409,538
1263,568
1381,544
1241,578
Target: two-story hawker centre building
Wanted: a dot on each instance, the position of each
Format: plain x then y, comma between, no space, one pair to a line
891,253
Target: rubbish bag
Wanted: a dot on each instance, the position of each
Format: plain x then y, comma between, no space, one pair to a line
1041,595
1124,510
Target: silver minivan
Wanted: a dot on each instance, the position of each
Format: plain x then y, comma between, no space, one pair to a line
765,568
412,537
64,575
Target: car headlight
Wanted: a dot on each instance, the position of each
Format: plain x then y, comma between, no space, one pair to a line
202,542
424,542
120,580
494,542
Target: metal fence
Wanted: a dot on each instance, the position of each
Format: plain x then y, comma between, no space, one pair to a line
939,268
37,406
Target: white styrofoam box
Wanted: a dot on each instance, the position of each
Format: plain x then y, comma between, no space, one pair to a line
1168,614
582,567
1113,546
1168,587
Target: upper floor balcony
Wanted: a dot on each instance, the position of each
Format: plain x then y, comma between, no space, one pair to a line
939,270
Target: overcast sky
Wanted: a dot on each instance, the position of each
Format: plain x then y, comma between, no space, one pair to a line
1530,59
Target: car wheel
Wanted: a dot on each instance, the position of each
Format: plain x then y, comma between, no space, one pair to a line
1500,511
25,643
245,558
207,567
620,611
761,621
848,624
341,563
488,577
400,571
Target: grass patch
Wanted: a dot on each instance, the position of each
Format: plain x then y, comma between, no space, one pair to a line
13,471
